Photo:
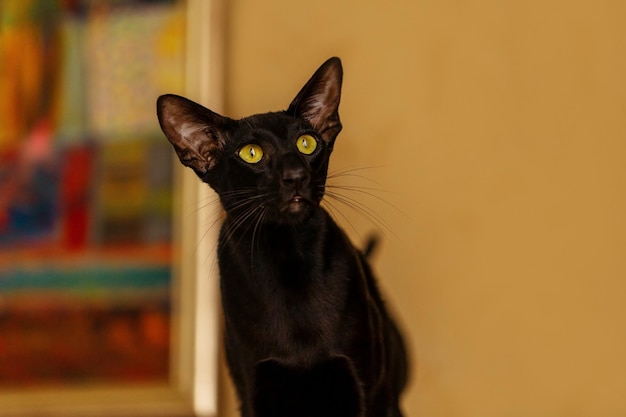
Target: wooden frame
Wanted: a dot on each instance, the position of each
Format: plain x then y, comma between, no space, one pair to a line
193,386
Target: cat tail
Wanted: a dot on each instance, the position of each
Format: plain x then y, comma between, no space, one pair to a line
370,246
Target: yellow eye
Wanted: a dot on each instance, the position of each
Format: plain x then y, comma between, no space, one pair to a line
306,144
251,153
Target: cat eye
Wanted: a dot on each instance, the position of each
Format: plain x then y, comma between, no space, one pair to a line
306,144
251,153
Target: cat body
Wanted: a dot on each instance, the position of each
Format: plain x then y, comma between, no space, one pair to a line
306,331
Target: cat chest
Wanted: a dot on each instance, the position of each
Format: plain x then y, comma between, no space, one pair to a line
300,326
286,306
294,324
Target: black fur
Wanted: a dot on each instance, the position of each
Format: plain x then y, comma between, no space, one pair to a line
306,330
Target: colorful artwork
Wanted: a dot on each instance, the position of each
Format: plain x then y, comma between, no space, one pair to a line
85,190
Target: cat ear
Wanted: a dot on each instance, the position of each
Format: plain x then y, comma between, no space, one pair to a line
197,133
318,101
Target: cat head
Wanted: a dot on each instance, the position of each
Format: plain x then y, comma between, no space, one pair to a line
269,166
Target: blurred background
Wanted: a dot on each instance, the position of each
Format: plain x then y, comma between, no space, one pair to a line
85,190
491,134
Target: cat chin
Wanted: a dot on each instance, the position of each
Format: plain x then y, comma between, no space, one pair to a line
296,211
296,205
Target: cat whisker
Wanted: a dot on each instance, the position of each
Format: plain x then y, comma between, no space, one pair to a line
243,218
350,172
218,220
213,198
362,209
332,209
257,227
236,224
352,195
341,171
368,191
210,201
250,197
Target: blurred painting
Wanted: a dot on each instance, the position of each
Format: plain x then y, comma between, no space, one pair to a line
86,190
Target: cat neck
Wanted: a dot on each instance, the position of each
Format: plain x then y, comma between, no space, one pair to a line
274,234
280,247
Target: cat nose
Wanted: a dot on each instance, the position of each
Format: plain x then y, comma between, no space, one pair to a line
293,176
294,173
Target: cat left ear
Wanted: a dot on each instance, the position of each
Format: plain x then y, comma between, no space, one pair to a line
197,134
318,101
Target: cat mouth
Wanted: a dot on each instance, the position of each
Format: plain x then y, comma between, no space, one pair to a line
295,204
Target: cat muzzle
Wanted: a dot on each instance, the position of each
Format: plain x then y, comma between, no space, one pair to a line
296,204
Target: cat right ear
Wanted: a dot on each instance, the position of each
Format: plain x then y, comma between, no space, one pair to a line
318,101
197,133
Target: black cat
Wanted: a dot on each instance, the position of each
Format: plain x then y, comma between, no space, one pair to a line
306,330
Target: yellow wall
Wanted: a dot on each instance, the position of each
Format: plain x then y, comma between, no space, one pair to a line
499,129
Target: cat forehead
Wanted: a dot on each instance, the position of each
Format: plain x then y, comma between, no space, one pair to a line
279,125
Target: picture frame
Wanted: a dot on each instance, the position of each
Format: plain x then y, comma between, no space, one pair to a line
192,388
